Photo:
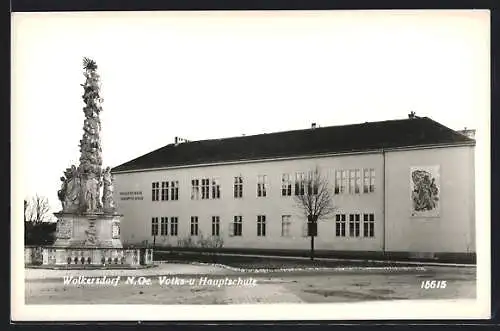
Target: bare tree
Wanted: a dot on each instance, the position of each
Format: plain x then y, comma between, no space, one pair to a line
25,209
314,196
37,210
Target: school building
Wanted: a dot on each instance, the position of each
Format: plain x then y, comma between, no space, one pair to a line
401,186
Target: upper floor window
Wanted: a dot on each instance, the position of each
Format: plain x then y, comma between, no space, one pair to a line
261,185
215,188
155,194
358,182
164,191
299,183
195,189
368,180
349,181
312,183
238,187
174,185
352,181
205,188
338,180
286,185
343,183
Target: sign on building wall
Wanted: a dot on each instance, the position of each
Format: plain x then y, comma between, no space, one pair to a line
425,191
131,195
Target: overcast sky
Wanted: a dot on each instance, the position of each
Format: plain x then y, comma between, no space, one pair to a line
210,75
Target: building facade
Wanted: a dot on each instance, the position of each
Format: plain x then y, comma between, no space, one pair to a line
398,186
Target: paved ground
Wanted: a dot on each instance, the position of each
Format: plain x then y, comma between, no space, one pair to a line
200,285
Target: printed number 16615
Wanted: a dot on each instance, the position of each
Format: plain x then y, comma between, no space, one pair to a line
432,284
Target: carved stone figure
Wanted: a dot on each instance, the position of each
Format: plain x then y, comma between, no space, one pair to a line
92,193
61,194
107,195
425,192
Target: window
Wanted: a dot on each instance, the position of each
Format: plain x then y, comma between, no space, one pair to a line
299,183
164,191
368,180
215,188
174,194
261,225
237,226
238,187
164,226
205,188
195,189
340,225
174,226
155,191
285,225
215,225
358,181
369,225
372,180
312,183
338,180
194,225
352,181
354,225
343,183
154,226
315,181
261,185
286,185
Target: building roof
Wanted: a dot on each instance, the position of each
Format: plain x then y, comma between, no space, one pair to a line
411,132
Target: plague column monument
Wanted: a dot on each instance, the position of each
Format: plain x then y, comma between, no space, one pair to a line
88,227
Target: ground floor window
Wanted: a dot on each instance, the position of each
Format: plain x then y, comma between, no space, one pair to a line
154,226
215,225
164,226
340,222
354,225
237,226
369,225
261,225
285,225
174,226
194,225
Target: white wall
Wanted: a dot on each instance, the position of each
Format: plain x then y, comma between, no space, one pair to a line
454,229
136,224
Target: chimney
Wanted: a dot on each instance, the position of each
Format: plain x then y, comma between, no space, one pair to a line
313,126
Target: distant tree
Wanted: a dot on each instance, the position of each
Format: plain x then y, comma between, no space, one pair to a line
314,197
25,209
37,210
37,228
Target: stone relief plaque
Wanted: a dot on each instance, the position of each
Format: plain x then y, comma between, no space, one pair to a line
64,229
425,191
